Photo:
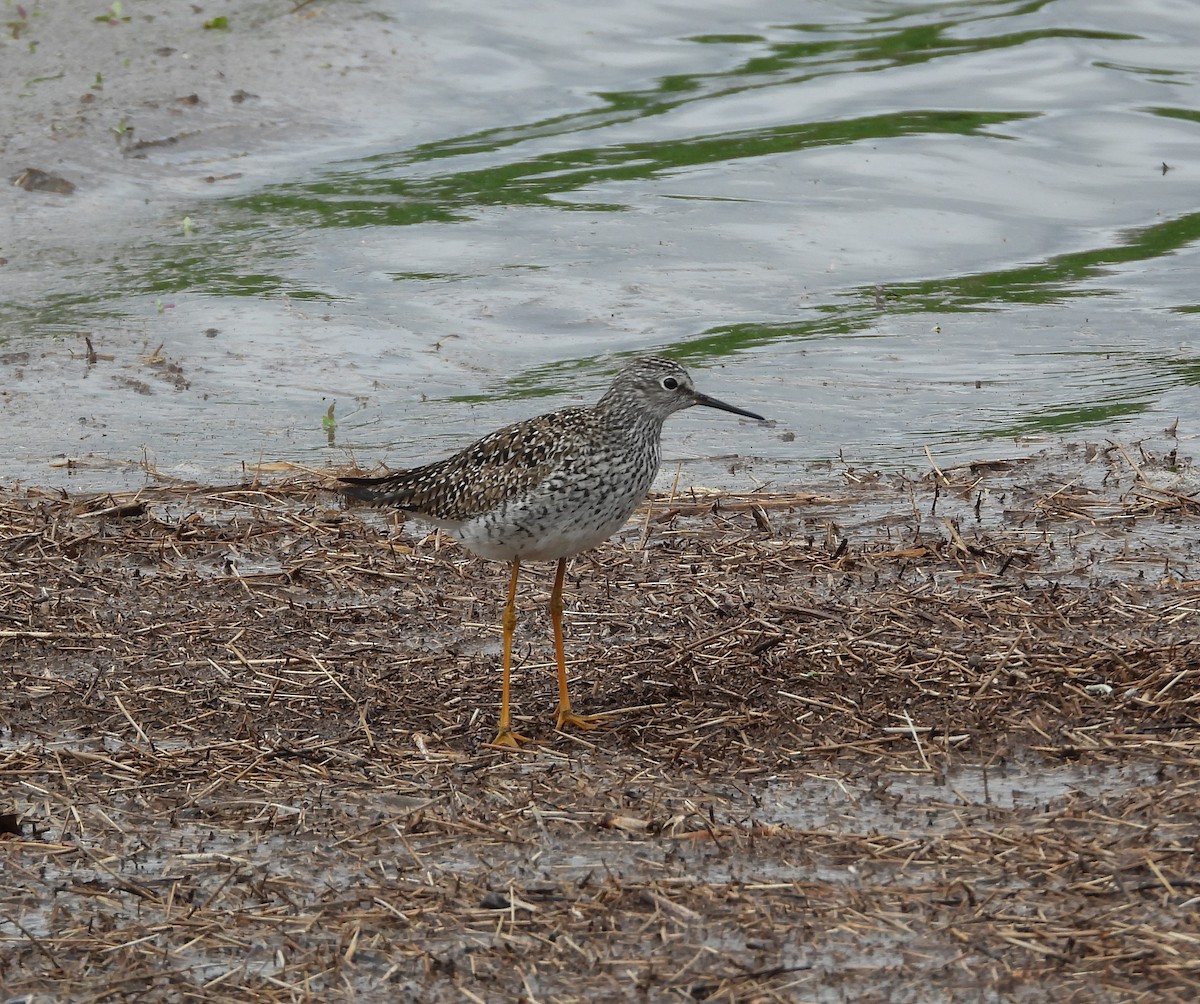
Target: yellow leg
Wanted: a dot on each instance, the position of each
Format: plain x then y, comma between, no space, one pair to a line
564,715
505,736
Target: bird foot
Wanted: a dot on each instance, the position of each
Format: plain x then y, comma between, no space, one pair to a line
565,716
507,739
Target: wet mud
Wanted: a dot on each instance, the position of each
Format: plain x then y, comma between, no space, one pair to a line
884,739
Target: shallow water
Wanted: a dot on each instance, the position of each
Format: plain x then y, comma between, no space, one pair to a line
970,227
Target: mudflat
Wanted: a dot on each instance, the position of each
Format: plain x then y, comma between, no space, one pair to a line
883,739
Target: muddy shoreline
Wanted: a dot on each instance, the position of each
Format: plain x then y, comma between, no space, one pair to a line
879,740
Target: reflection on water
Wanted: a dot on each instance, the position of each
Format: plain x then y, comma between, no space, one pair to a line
894,226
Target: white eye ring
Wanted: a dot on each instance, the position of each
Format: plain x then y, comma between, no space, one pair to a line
669,383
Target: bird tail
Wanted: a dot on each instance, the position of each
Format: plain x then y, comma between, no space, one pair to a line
387,490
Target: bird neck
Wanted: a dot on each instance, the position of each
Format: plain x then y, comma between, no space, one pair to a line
632,424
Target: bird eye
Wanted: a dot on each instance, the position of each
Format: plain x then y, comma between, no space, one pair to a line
669,383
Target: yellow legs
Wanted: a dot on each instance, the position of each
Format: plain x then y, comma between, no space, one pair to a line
564,715
505,736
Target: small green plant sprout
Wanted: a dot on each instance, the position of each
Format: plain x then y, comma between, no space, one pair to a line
19,23
114,15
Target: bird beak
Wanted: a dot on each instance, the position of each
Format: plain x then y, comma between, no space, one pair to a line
712,402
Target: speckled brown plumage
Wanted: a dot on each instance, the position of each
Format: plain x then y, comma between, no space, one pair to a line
548,487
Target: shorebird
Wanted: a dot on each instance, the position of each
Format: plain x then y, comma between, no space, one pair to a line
547,488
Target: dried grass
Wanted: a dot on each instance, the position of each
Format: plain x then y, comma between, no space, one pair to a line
894,741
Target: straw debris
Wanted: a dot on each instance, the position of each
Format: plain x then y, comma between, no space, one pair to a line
888,740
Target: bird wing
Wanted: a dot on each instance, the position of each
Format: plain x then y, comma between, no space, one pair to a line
502,465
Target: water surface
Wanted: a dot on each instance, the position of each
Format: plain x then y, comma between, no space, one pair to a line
967,227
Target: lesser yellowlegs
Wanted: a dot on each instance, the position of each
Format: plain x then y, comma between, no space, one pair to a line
548,488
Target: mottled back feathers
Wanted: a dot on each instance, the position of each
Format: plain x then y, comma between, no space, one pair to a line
553,485
503,464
